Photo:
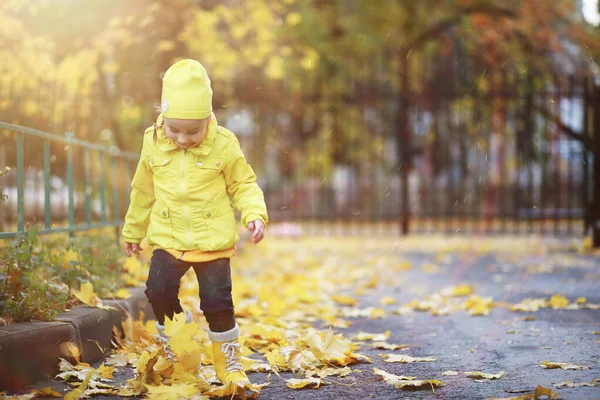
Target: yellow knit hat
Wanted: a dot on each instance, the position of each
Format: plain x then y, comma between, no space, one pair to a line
186,91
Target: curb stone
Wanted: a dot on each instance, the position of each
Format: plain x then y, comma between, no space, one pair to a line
29,351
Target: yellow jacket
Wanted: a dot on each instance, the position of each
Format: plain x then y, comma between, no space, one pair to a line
184,199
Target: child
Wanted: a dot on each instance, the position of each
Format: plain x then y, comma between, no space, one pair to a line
191,175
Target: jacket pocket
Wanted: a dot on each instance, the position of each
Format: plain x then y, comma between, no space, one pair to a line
224,231
207,170
160,231
161,166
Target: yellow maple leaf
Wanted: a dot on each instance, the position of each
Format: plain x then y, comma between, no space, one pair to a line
387,300
70,349
561,365
404,382
458,291
450,373
231,389
379,337
478,306
48,392
542,391
172,392
345,300
477,374
388,346
330,371
401,358
297,359
79,391
86,295
303,383
529,305
558,301
276,359
177,326
328,346
106,371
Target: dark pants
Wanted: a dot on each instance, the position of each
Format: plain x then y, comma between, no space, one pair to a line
214,279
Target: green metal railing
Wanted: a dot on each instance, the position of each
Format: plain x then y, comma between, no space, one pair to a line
88,150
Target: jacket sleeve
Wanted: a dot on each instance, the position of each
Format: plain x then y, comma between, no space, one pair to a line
240,179
137,218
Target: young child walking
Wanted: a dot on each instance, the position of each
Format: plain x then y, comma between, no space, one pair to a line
191,175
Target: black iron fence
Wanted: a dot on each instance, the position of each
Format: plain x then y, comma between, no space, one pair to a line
497,151
430,148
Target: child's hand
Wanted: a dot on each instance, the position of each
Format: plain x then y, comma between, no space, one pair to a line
132,248
258,230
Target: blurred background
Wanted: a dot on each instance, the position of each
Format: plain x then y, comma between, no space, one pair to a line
386,116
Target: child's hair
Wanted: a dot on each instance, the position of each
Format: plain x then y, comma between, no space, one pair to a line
158,109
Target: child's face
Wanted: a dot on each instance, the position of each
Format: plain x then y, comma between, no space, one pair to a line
186,133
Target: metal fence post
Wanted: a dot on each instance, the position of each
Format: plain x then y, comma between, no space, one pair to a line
404,140
114,152
70,184
20,183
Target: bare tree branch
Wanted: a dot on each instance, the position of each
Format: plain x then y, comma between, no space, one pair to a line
561,125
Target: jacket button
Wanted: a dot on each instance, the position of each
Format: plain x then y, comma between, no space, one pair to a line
199,163
207,215
164,213
218,164
166,159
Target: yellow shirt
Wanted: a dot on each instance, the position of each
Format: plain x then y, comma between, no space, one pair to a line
199,255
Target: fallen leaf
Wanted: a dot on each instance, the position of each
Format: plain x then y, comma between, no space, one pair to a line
479,306
364,336
370,312
561,365
387,300
539,391
401,382
458,291
303,383
477,374
324,373
558,301
78,392
569,384
118,360
401,358
345,300
47,392
529,318
388,346
231,390
86,295
174,391
542,391
529,305
106,371
450,373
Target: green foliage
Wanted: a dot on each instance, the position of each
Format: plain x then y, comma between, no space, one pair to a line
37,277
